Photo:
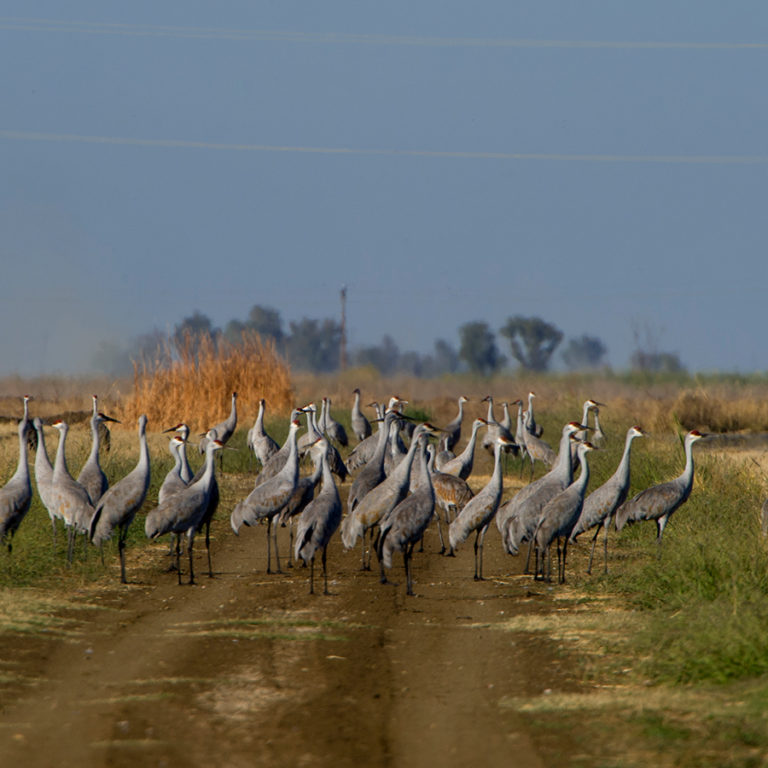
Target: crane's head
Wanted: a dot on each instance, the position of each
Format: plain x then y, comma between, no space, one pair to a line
591,405
463,399
574,426
59,424
637,431
531,395
695,435
103,417
487,399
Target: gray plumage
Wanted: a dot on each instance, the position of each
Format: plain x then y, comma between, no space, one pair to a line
361,427
453,431
495,430
267,499
480,510
119,505
44,475
331,427
361,454
185,471
91,476
601,504
372,472
461,465
560,514
16,494
262,445
405,524
69,499
182,513
529,419
319,520
224,429
276,463
518,517
173,481
658,502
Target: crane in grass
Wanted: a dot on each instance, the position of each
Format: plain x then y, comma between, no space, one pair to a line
44,476
16,494
262,445
91,476
601,504
361,427
331,427
659,502
224,429
453,431
119,505
461,465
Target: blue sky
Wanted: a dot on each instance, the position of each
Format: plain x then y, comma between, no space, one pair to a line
601,165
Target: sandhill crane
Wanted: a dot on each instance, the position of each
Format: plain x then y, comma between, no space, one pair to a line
361,454
658,502
185,471
91,476
262,445
461,465
331,427
451,494
361,427
119,505
495,429
372,472
453,431
267,499
16,494
224,429
598,436
312,435
381,499
518,517
538,450
319,521
405,524
70,500
479,511
44,476
173,481
303,495
560,514
396,448
529,420
182,513
600,505
276,463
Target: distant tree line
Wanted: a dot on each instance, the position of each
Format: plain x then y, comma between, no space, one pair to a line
312,344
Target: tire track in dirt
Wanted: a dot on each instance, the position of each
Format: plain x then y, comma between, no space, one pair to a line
249,669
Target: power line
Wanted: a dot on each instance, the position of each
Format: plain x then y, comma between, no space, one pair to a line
256,35
386,152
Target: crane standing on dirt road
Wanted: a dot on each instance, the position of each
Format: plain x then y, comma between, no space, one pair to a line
319,520
658,502
480,510
182,513
267,499
119,505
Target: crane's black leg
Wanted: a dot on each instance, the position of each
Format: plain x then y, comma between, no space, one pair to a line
605,543
407,554
190,547
565,553
527,568
480,541
440,530
208,547
592,551
122,534
325,571
269,545
277,554
312,576
477,536
290,547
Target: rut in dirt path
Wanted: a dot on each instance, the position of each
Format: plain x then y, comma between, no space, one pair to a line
249,669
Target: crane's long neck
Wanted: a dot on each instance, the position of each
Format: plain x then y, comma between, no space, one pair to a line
60,466
356,405
95,440
490,410
581,483
22,470
460,417
185,471
507,423
381,444
322,421
622,471
260,420
312,423
403,470
564,468
469,449
142,467
495,483
43,466
206,479
687,476
425,477
292,462
232,420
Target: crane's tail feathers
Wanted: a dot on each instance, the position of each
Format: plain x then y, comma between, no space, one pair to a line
351,531
236,519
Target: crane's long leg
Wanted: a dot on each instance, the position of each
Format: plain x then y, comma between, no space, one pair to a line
565,553
190,546
592,551
362,565
208,547
325,571
269,545
123,532
290,547
660,525
53,525
178,559
480,540
439,530
312,575
527,568
477,536
277,554
607,525
407,555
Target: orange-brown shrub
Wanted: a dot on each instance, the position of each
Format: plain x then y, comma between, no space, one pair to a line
193,381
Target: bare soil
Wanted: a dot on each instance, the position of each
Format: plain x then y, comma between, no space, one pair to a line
248,669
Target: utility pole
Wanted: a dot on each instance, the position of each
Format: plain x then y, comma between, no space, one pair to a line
343,339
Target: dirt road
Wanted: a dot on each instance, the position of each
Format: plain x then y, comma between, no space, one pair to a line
247,669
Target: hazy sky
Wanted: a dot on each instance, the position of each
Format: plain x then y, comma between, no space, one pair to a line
601,164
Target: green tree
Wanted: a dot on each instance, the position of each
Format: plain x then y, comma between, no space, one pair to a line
385,357
478,348
532,341
584,352
313,345
266,322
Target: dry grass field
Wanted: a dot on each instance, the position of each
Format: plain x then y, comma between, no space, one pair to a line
656,662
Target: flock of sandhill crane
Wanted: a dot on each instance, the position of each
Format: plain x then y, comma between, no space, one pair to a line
396,492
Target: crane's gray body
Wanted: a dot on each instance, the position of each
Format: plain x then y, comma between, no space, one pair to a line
262,445
224,429
361,427
461,465
16,494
